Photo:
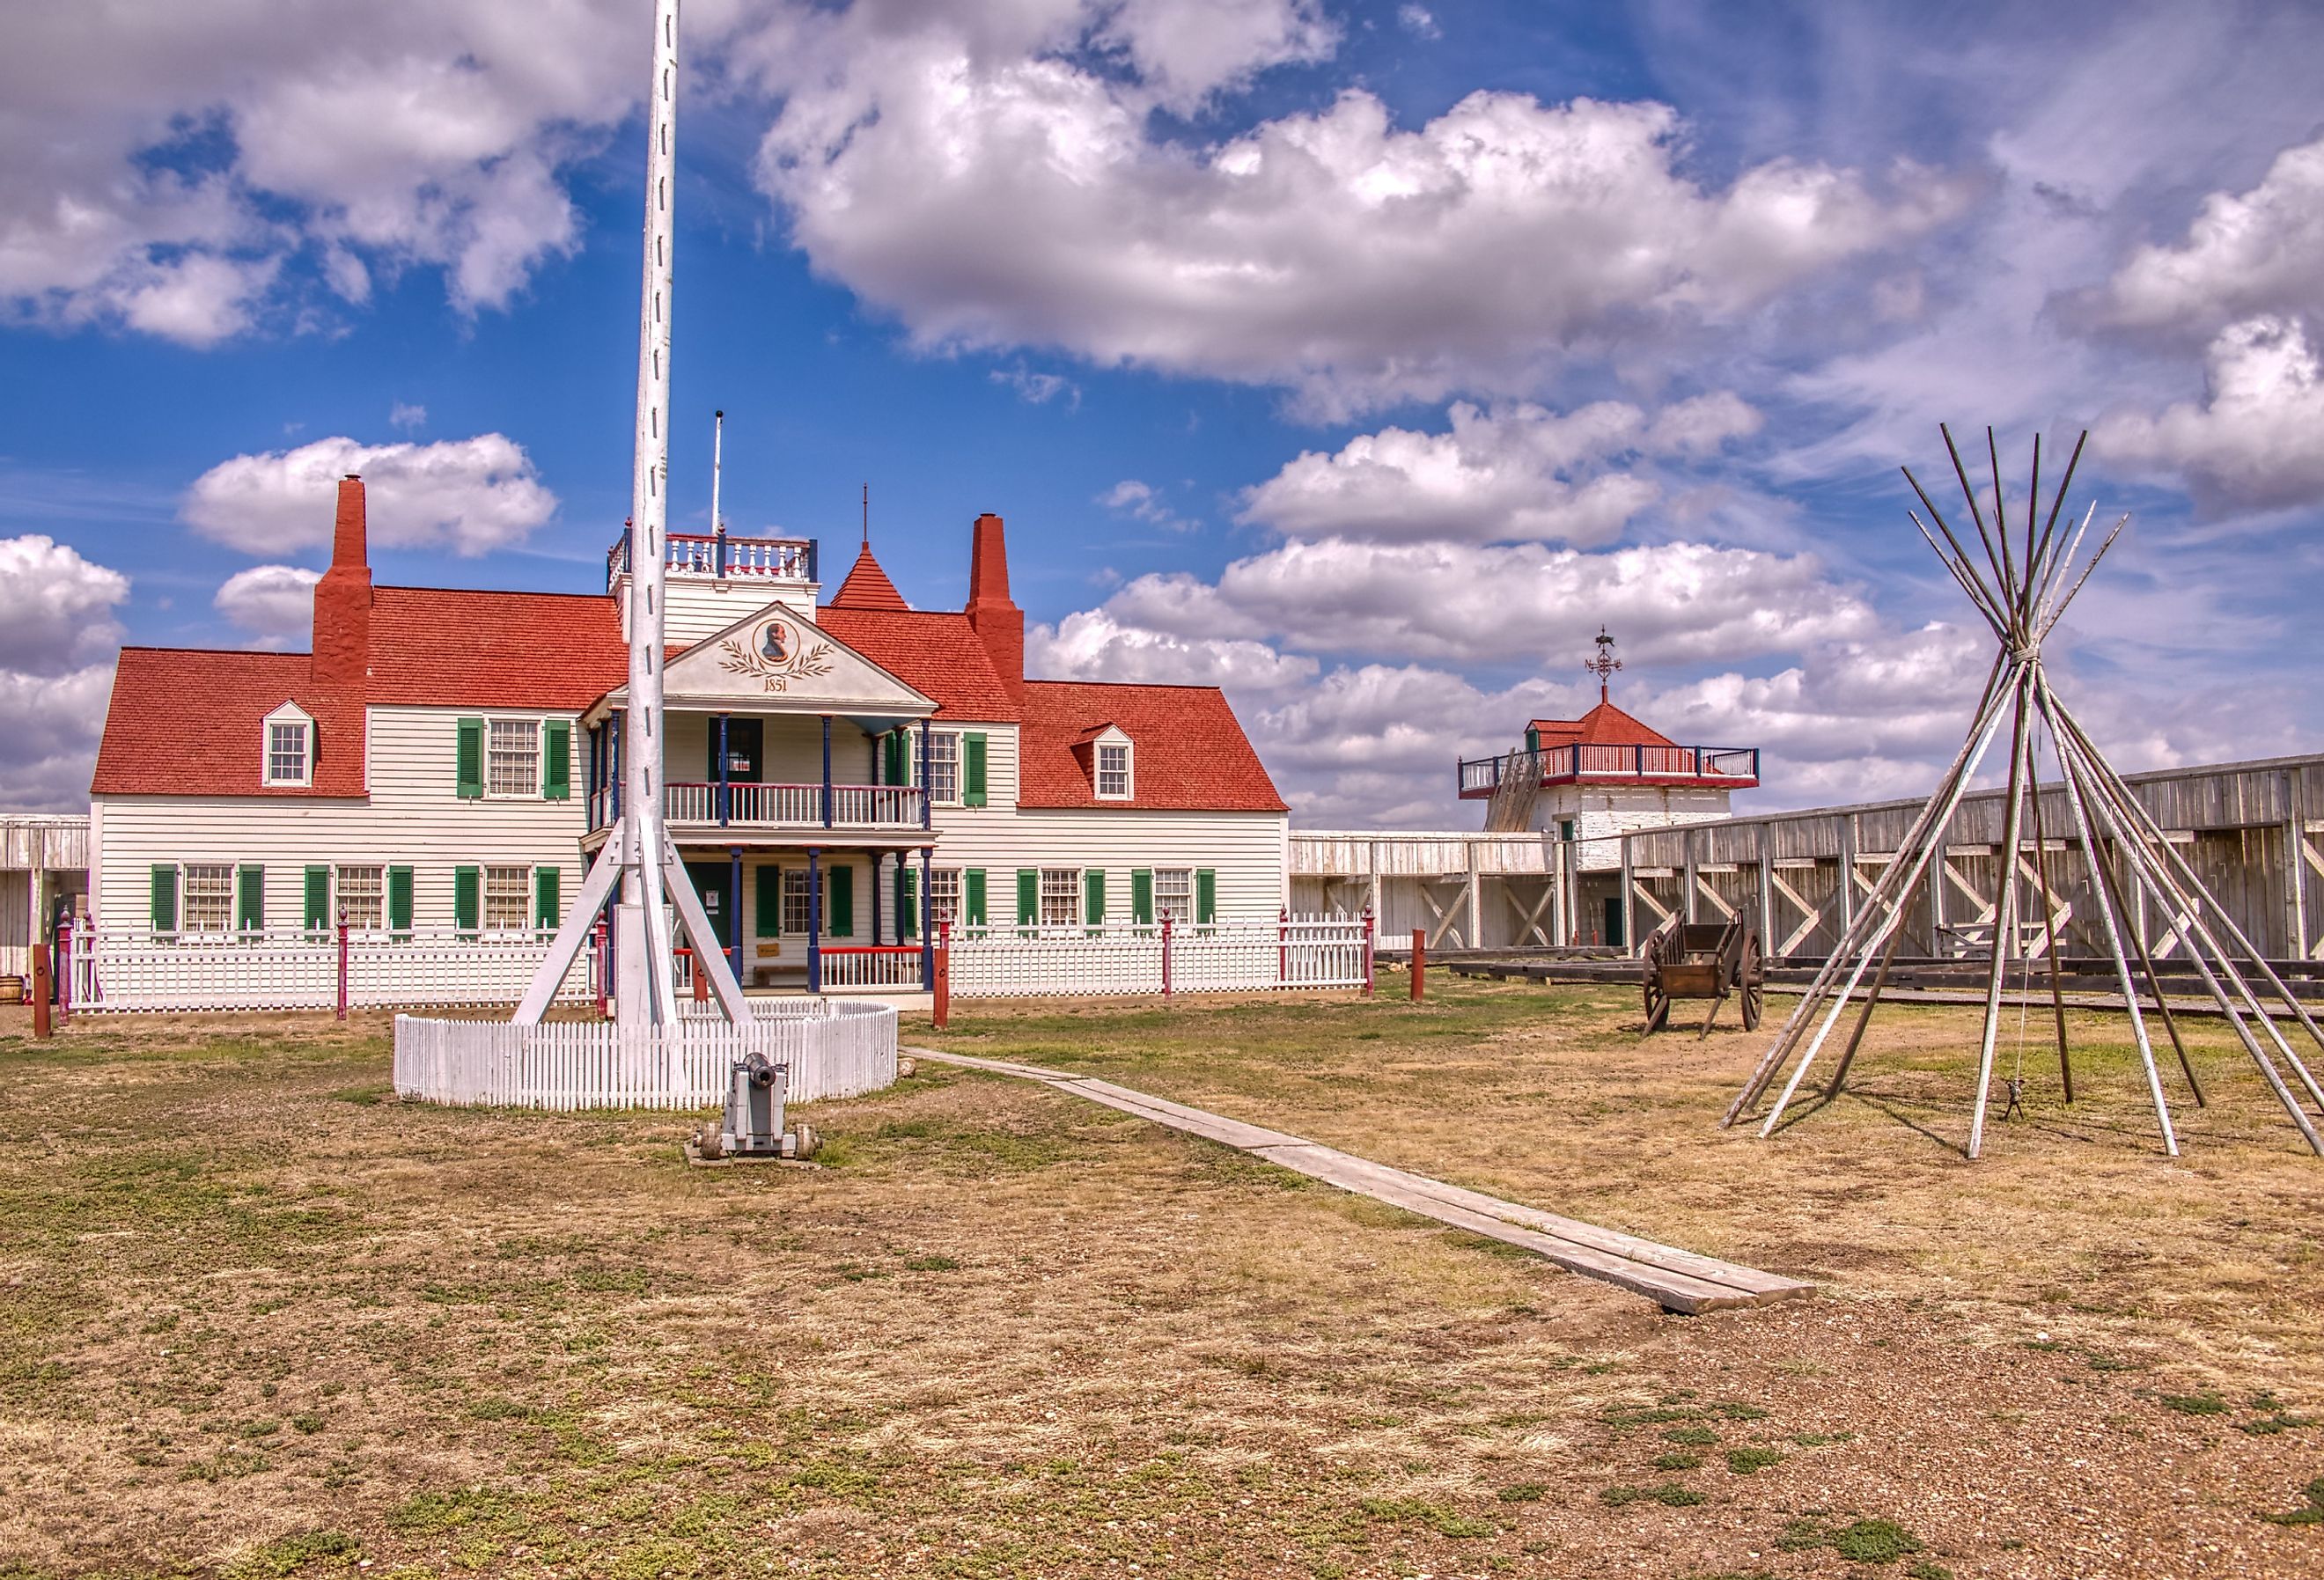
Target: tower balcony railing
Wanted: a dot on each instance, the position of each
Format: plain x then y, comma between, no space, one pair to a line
1719,767
787,808
721,556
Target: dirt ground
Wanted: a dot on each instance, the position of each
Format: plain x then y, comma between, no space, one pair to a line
258,1319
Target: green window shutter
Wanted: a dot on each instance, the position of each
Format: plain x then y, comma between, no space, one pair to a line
1141,896
839,909
467,894
250,899
1206,895
1094,897
319,899
468,767
1028,896
1533,740
768,907
972,769
971,896
165,899
907,904
556,763
399,899
894,774
547,894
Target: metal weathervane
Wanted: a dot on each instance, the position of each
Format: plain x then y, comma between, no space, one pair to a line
1604,665
637,853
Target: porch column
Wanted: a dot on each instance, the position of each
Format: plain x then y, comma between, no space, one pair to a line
928,804
826,771
813,919
726,801
734,910
621,725
928,915
875,897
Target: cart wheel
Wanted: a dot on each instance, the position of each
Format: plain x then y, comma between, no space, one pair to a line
1752,978
1658,1002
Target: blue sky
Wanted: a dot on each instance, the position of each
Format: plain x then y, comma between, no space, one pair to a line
1362,358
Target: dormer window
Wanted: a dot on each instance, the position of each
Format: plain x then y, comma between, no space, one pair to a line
1113,779
288,747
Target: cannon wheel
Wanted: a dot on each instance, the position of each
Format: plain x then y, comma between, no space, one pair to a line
1751,978
1658,1002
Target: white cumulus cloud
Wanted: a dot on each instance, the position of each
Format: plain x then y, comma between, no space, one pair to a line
273,602
469,495
2258,440
2244,253
1520,472
57,638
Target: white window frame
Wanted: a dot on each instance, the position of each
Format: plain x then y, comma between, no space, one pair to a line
1114,739
944,896
290,716
187,924
944,767
1177,908
1068,884
484,897
339,908
795,891
540,735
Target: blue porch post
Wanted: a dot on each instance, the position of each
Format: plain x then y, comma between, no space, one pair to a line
927,923
927,805
734,910
875,898
826,771
621,715
725,804
814,920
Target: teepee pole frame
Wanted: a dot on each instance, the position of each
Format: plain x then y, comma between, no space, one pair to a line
2022,590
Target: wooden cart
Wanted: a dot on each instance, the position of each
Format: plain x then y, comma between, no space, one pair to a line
1686,960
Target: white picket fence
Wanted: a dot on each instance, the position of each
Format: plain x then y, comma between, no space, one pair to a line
834,1048
138,970
1287,952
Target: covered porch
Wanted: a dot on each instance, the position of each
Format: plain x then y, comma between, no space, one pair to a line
813,917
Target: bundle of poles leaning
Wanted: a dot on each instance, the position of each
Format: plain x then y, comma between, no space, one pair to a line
2021,591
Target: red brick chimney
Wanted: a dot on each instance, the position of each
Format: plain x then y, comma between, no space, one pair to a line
343,600
993,614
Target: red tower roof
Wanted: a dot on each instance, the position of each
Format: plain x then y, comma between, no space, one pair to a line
867,587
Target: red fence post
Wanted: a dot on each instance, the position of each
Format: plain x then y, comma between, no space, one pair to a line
605,965
1166,958
342,965
41,1025
1419,965
941,1010
1367,951
701,977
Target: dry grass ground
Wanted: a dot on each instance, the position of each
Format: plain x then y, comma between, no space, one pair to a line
255,1319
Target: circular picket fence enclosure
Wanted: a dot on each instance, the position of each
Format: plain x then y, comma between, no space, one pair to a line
834,1048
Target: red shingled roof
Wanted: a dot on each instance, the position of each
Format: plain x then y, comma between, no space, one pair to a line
867,585
1603,725
451,648
935,654
1188,750
188,723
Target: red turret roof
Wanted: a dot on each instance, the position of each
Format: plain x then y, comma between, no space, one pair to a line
867,587
1603,725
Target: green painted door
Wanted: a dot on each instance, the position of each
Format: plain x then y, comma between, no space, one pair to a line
710,881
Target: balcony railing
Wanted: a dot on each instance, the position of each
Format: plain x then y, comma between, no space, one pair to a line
780,806
717,555
1723,767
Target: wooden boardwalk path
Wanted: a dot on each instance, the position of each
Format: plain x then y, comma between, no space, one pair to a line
1677,1280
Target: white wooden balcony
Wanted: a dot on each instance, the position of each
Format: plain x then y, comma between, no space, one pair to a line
800,809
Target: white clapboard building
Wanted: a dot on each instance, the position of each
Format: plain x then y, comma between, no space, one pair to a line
841,774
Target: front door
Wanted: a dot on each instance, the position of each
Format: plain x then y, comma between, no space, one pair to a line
711,880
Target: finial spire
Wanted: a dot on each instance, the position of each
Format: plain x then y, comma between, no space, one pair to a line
1604,665
867,515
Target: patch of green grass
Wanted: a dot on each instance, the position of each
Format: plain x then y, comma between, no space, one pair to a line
1821,1440
1735,1411
1436,1517
2309,1512
1678,1460
1694,1436
294,1553
365,1096
930,1264
2196,1404
1743,1461
1923,1569
1865,1541
492,1408
1670,1493
428,1513
1524,1493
